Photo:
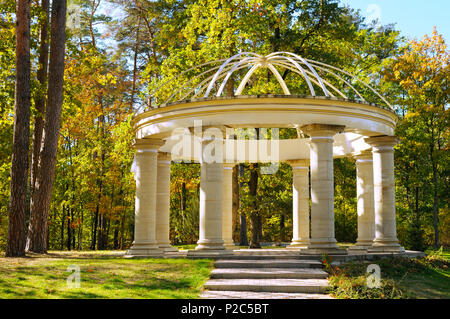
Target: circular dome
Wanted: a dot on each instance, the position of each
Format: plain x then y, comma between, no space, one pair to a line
320,80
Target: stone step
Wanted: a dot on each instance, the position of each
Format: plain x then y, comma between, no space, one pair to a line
273,252
268,273
266,257
317,286
270,263
263,257
225,294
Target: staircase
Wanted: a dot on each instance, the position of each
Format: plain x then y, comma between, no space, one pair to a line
267,274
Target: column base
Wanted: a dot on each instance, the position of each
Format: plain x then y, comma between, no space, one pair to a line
299,244
321,251
361,246
229,245
386,246
167,247
144,250
323,246
210,244
209,253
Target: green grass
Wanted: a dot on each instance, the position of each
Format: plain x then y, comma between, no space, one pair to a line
103,275
422,278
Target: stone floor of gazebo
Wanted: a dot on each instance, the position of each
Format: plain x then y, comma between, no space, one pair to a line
282,253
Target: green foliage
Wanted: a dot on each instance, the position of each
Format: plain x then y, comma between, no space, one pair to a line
419,77
401,277
184,203
414,239
345,200
94,189
356,288
7,65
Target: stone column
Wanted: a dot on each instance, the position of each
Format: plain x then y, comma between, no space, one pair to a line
145,168
384,194
163,202
227,206
322,188
300,203
211,177
365,201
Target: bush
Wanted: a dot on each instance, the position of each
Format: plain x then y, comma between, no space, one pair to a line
344,287
414,236
350,282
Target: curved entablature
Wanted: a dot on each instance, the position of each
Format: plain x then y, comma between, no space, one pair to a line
212,78
270,111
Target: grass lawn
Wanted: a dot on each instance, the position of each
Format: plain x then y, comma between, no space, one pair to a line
103,275
419,278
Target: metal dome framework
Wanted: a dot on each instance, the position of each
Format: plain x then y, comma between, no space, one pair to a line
213,81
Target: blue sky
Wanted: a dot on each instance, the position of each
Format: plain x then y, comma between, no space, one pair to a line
414,18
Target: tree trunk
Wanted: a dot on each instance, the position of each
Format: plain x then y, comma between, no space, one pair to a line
183,198
260,235
40,98
435,207
235,205
40,201
116,234
19,163
63,219
432,144
243,240
94,229
80,232
69,230
136,52
282,228
254,216
102,232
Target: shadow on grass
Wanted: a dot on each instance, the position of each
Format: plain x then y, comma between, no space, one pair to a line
78,294
105,277
428,284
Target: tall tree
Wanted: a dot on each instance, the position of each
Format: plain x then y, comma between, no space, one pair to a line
423,73
40,201
243,239
19,167
41,97
255,216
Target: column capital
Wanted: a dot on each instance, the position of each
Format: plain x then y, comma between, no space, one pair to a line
164,158
228,132
382,141
322,130
365,155
299,163
212,134
229,165
150,144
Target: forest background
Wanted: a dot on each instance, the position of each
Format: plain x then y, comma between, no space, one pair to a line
113,64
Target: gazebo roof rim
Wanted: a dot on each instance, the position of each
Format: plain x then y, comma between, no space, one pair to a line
271,95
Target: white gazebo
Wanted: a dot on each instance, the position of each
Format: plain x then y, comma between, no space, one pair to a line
340,116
